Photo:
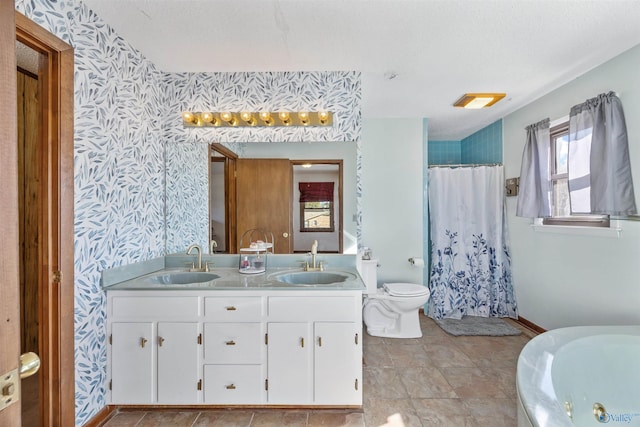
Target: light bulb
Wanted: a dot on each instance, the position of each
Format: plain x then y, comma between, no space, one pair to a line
265,116
206,117
323,116
248,117
226,116
304,117
284,115
188,117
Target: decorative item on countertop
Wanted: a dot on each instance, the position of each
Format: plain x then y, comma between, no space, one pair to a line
253,258
367,254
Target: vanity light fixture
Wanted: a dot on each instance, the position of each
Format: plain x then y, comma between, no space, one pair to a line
478,100
257,119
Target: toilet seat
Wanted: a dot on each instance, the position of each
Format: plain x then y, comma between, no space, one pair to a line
405,289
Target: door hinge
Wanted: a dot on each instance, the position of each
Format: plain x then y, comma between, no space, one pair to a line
200,338
199,385
266,339
110,384
57,276
266,384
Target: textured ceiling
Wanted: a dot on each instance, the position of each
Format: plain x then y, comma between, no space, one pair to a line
437,50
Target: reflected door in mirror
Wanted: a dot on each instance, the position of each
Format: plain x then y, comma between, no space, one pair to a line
263,192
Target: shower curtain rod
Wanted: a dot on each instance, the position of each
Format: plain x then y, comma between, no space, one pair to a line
462,165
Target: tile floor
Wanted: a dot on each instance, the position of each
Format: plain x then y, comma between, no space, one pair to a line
436,380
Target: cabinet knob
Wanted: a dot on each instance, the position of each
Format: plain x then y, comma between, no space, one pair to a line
143,341
160,341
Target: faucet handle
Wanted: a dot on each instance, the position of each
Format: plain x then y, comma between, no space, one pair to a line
206,265
190,265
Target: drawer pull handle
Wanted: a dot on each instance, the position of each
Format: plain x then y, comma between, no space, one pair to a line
160,341
231,387
319,341
231,308
302,342
143,341
356,339
230,342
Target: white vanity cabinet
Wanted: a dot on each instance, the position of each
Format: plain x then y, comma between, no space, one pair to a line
154,349
244,347
317,359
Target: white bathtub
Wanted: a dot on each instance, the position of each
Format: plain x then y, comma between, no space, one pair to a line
570,370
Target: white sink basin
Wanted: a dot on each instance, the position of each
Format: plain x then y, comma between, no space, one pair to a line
181,278
313,278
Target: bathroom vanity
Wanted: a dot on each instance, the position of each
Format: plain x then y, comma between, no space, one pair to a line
235,340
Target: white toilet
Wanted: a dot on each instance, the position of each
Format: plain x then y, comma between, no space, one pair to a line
391,311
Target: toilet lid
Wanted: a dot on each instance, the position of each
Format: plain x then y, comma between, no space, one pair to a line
405,289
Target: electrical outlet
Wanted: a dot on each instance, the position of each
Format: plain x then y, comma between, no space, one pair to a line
512,186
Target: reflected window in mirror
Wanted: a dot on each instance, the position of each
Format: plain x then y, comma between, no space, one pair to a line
316,207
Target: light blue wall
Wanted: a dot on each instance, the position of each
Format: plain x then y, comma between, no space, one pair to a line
566,280
393,163
483,146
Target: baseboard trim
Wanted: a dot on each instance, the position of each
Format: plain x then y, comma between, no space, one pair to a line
99,418
530,325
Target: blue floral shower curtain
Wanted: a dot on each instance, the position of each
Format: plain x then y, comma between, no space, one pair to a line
470,261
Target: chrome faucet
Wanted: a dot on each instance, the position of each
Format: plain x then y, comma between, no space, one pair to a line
314,252
199,267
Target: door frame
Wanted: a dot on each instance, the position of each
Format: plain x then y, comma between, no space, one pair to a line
336,162
229,194
9,274
56,283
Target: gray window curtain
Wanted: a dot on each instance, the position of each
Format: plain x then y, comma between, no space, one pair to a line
599,167
535,188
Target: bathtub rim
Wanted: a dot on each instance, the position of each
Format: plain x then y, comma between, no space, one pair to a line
537,355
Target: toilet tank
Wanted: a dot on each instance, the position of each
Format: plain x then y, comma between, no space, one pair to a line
368,269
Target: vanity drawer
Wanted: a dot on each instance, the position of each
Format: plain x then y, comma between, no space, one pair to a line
150,307
237,343
330,308
234,309
234,384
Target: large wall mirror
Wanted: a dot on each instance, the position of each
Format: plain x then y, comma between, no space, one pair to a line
198,209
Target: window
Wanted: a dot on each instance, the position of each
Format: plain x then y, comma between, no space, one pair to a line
316,207
558,171
316,216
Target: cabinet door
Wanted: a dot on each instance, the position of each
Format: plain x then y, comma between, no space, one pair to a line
177,345
289,363
338,364
132,368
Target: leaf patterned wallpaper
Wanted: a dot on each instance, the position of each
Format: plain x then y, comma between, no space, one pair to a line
127,120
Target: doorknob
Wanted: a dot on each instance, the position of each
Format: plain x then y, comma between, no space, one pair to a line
285,234
29,364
